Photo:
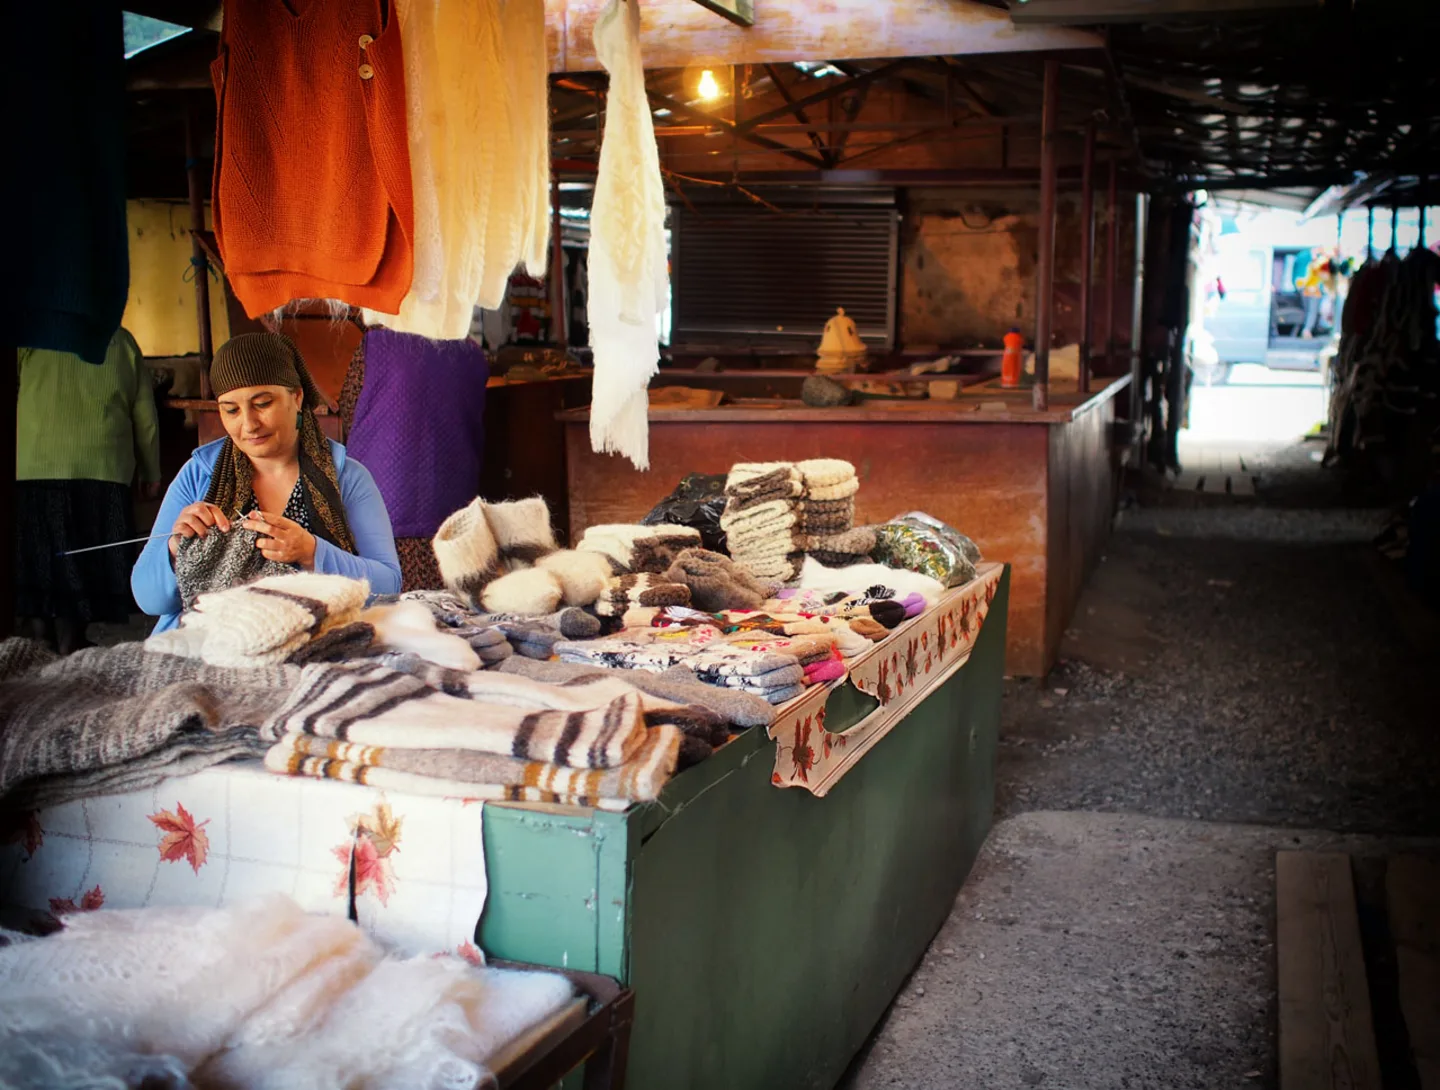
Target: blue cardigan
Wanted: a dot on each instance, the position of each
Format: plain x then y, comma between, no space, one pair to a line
153,580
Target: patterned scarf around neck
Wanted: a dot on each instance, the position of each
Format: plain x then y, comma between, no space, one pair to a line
232,488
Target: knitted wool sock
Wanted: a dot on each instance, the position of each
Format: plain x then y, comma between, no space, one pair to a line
815,523
831,669
677,684
824,472
715,581
758,474
888,612
625,591
619,541
582,575
868,627
573,624
466,552
840,491
857,542
522,530
263,622
526,591
655,554
762,515
376,706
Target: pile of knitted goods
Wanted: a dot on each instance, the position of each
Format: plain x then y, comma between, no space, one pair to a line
482,735
280,618
259,994
523,633
850,634
826,526
640,557
762,505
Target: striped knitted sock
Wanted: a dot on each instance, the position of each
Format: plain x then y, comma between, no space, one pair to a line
643,589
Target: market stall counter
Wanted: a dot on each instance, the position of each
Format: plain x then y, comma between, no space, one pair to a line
763,929
1039,487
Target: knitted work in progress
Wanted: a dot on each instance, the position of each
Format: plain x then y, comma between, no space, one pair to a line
627,259
218,561
624,591
677,684
287,99
376,706
126,998
262,623
469,774
110,719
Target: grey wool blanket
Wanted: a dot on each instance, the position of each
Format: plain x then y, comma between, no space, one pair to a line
111,719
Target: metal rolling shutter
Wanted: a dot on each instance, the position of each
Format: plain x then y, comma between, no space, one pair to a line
742,273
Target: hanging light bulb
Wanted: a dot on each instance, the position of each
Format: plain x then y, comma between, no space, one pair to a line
709,86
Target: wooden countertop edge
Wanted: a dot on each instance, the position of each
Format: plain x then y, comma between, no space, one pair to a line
741,414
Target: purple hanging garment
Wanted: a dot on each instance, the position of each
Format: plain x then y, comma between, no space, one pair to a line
420,426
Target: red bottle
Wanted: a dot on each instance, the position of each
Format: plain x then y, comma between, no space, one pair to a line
1012,363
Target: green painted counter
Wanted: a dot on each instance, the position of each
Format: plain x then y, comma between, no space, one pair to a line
764,931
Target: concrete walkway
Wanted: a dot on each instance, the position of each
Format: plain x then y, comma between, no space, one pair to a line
1233,684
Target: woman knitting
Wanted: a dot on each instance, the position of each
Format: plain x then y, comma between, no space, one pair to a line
274,496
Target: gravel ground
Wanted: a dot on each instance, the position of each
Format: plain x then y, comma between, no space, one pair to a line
1233,683
1269,683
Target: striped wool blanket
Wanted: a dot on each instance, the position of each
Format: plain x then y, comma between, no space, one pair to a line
375,706
475,775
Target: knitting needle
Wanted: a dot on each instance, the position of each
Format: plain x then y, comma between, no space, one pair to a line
138,540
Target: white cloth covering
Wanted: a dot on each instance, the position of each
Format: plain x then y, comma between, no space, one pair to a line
627,263
258,995
860,577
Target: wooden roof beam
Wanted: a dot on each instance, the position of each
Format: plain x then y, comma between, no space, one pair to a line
681,33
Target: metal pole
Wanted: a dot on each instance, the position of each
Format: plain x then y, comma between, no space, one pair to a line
1424,200
1370,233
1395,229
559,324
1137,313
1087,254
1112,271
1045,292
199,263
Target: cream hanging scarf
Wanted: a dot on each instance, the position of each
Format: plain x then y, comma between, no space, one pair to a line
478,111
628,277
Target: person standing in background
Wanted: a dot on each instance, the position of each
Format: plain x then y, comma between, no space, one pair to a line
82,431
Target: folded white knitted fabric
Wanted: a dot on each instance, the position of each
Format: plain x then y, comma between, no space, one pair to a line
778,512
263,622
582,574
741,472
824,472
410,626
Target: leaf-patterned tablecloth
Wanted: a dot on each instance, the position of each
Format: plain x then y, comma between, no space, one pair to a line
235,830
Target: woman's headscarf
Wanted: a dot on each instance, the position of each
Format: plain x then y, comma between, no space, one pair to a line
271,359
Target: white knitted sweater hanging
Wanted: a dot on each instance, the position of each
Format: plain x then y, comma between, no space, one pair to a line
479,134
627,275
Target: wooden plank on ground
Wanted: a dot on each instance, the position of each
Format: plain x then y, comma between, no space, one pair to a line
1242,484
1412,892
1327,1039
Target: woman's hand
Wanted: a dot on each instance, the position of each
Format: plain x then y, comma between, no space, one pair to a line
282,540
197,520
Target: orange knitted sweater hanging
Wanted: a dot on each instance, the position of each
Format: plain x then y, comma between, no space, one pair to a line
312,193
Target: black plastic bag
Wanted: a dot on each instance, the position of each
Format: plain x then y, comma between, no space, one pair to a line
697,501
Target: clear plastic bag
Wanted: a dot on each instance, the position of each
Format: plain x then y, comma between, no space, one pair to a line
917,542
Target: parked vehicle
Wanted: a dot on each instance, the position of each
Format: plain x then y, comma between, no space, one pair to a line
1253,312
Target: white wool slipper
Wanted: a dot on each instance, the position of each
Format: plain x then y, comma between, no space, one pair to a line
582,575
528,591
522,530
466,551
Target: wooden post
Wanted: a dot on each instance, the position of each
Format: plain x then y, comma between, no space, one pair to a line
1045,292
1112,262
1087,253
199,263
559,320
